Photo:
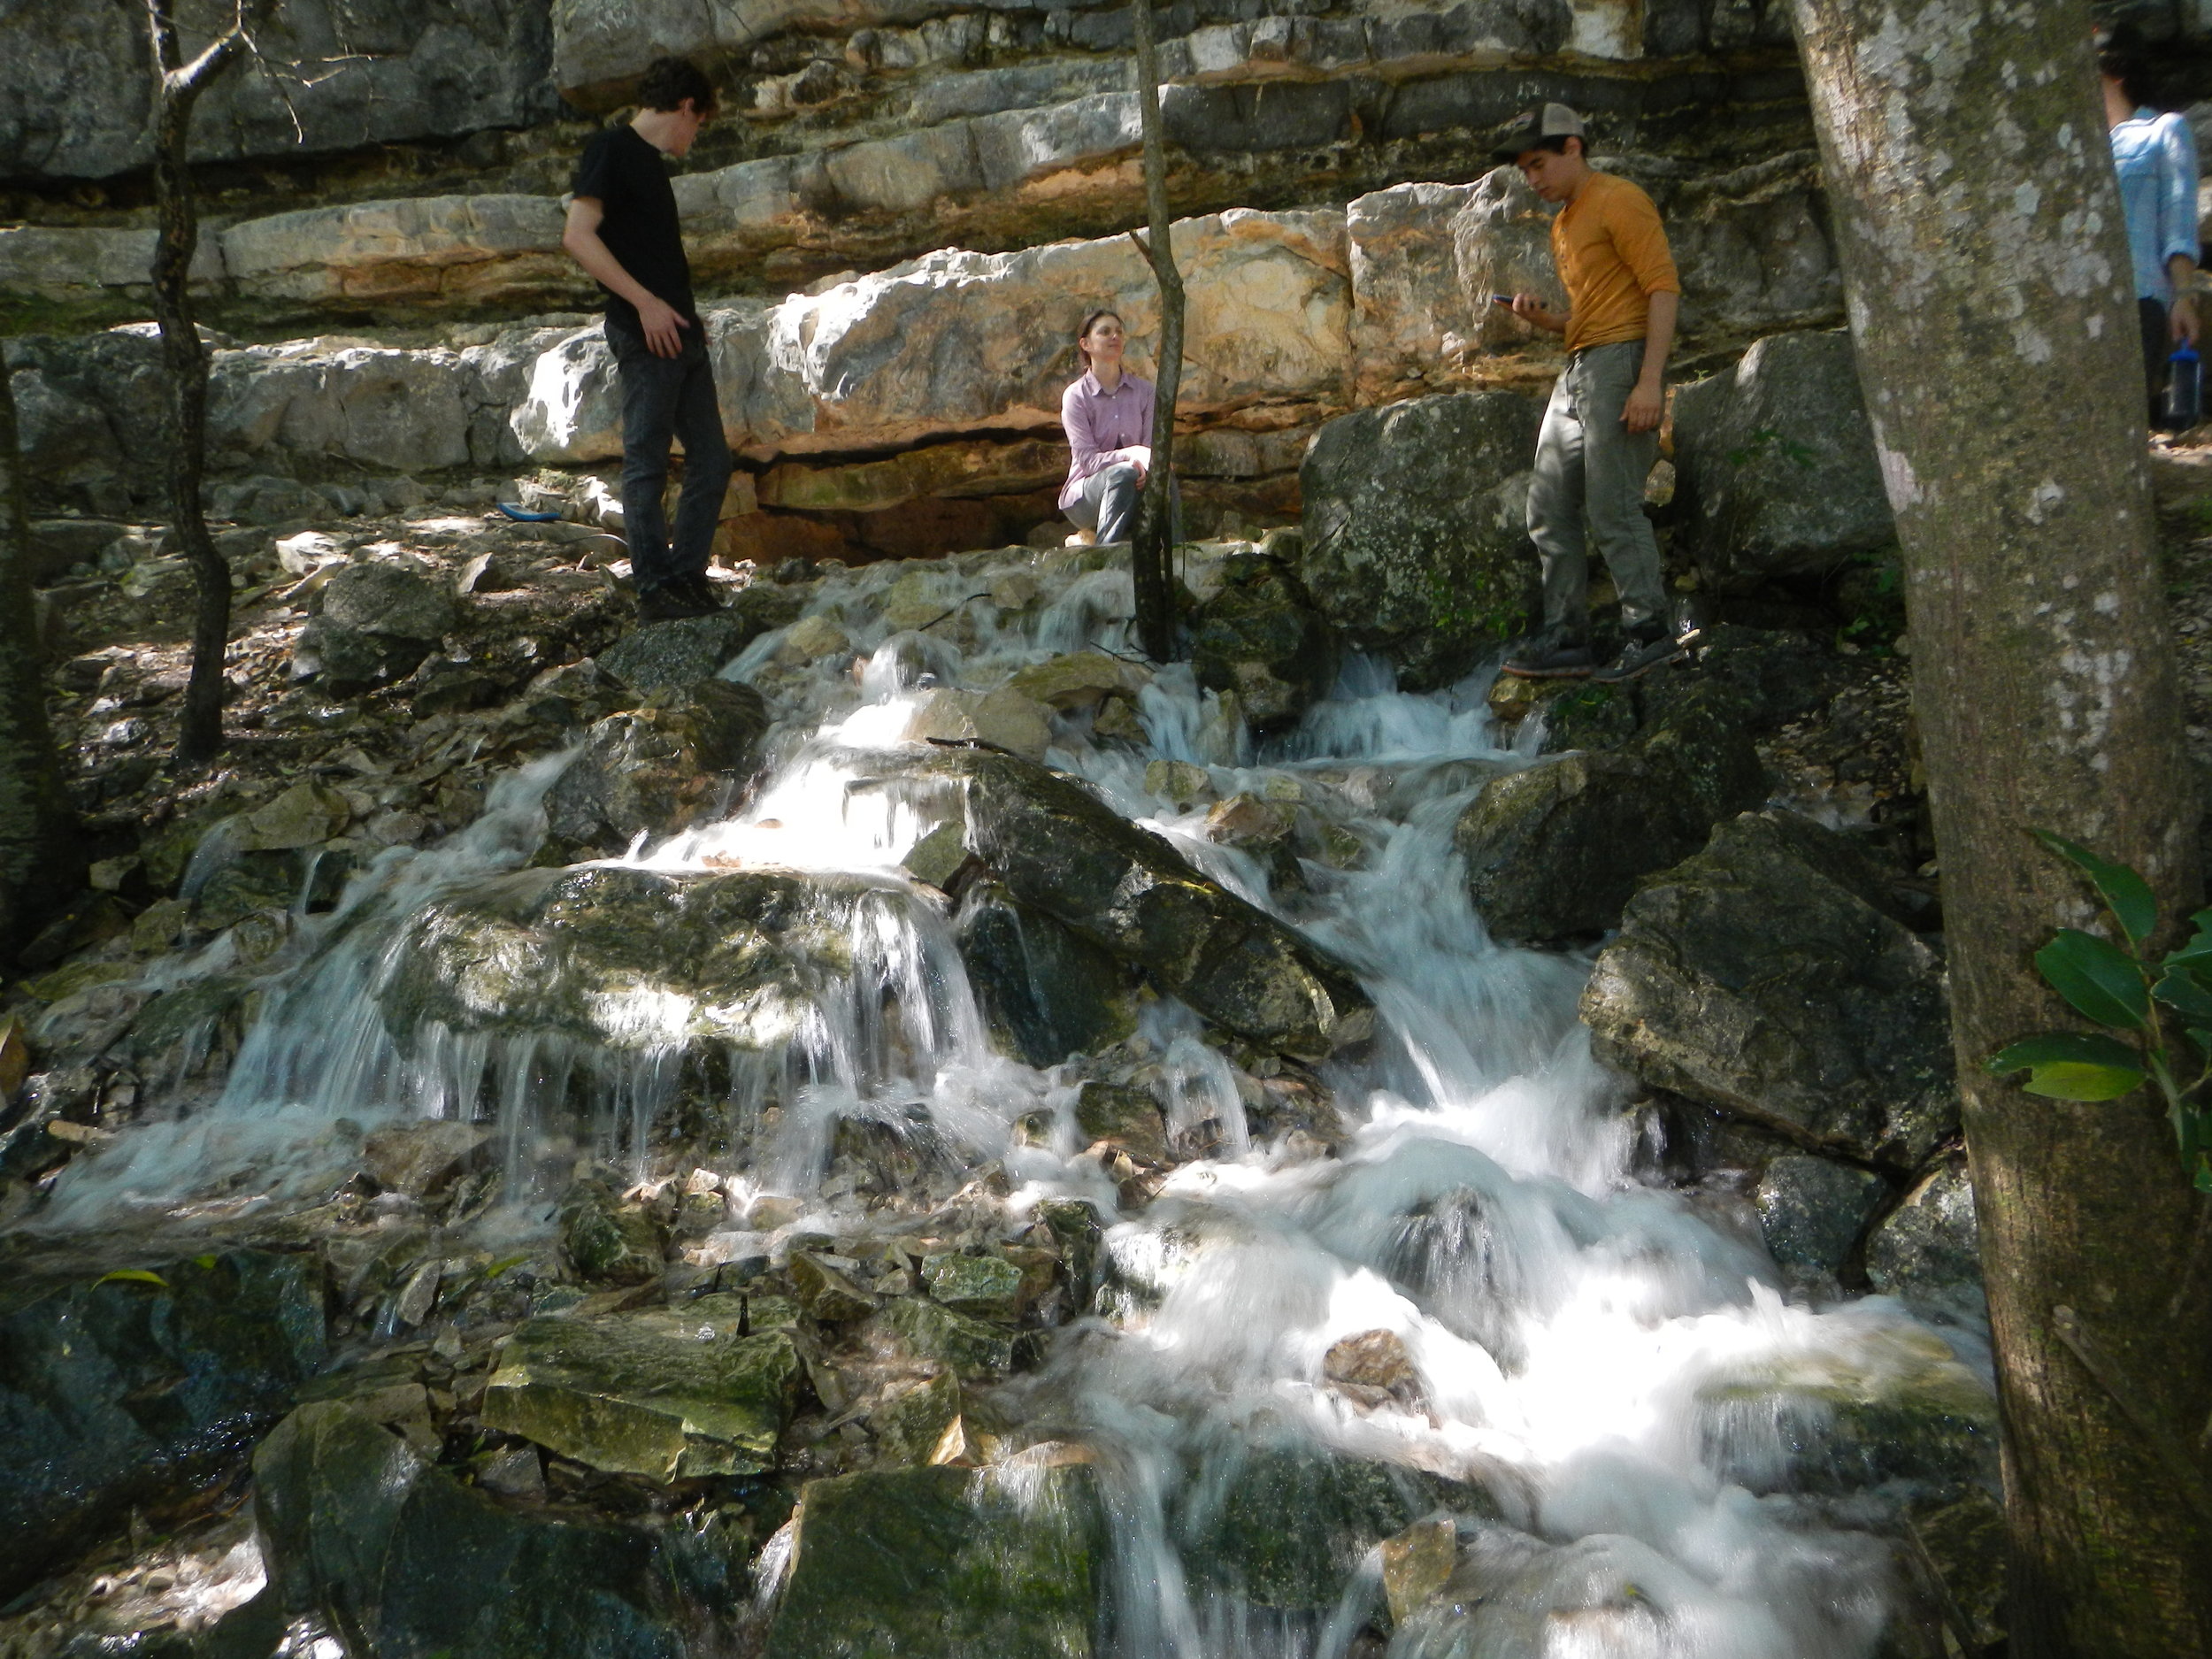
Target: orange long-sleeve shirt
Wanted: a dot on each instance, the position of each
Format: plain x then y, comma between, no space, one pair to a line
1612,255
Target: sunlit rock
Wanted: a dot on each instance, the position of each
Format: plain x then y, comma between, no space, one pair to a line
1004,719
1415,543
988,1286
946,1564
1760,977
628,958
474,248
670,1395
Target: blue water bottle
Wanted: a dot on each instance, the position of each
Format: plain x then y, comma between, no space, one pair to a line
2184,389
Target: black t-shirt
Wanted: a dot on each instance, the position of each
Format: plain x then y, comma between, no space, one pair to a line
624,174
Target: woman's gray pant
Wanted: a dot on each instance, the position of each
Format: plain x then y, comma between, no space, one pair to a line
1108,503
1589,466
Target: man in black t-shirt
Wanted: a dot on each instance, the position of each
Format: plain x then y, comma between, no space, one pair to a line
622,229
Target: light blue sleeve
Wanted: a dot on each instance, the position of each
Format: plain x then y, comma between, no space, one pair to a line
2176,190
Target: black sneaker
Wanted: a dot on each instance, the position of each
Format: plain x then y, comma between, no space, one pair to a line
1640,654
699,586
673,602
1553,653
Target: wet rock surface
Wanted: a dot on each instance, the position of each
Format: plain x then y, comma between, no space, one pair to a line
1762,975
138,1387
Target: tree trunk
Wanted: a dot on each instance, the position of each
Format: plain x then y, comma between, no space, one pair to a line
1991,300
1153,541
41,857
177,87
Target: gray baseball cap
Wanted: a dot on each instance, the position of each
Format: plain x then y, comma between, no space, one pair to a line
1529,131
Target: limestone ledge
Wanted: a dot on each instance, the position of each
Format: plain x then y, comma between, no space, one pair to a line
1293,318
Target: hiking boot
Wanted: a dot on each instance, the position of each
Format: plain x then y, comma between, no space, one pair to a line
1554,653
672,602
1642,653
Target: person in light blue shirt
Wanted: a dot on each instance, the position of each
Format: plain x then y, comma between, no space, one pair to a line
2155,155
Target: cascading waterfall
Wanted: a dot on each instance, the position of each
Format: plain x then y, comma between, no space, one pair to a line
1581,1342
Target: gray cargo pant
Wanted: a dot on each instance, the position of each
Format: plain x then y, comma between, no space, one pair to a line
1588,465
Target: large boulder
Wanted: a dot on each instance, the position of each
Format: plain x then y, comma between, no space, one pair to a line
1059,849
1765,977
657,769
135,1389
655,1394
394,1555
945,1564
1774,470
378,620
1553,852
468,248
1259,637
1416,543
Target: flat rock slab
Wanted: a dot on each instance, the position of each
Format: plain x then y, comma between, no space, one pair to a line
664,654
946,1564
667,1395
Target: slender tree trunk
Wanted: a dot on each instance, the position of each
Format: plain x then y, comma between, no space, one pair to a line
1990,295
177,87
41,857
1154,539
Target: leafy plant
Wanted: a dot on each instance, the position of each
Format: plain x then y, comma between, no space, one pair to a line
2125,991
1769,438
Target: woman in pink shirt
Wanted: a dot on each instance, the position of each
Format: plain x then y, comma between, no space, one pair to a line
1108,415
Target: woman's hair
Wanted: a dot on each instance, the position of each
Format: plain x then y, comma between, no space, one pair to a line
2121,56
1089,322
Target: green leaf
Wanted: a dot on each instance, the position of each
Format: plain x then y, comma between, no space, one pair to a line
2185,991
2097,977
2197,954
2071,1066
132,1276
2126,894
503,1264
206,1263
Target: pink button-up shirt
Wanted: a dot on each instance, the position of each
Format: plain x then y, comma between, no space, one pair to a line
1103,426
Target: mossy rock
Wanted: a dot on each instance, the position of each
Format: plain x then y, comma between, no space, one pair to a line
648,1394
945,1564
986,1285
1287,1526
609,1241
1261,638
396,1558
1415,541
971,1348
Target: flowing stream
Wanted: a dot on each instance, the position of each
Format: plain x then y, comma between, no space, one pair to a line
1613,1371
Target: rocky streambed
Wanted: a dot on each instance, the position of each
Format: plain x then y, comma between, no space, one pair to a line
888,1124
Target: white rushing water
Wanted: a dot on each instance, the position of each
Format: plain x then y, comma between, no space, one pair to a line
1615,1371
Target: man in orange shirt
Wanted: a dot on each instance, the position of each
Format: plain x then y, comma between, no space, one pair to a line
1600,432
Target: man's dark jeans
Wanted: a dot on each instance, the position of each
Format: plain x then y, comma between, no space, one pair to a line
665,398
